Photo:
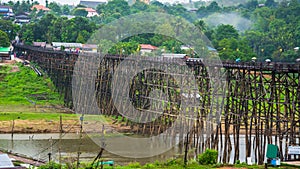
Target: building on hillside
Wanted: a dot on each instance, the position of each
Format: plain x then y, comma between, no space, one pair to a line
22,18
5,53
90,12
145,1
39,44
68,47
6,162
147,48
92,4
40,8
6,12
68,16
89,48
174,56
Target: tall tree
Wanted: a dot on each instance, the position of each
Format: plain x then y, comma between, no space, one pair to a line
4,41
225,31
55,7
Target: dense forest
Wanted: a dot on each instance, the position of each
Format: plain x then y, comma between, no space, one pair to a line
262,29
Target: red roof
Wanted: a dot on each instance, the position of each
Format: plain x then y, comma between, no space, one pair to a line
148,46
88,9
40,7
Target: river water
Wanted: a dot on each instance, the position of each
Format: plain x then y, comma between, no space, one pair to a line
39,145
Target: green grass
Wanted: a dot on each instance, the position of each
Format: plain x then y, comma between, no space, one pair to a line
17,88
35,116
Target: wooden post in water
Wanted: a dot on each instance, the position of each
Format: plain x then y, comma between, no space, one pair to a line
12,129
80,137
60,136
186,149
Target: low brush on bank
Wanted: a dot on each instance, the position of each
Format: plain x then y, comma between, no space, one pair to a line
25,87
30,101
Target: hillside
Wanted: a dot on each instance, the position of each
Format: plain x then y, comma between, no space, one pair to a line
20,85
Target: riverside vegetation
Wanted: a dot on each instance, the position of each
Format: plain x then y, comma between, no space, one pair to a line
207,160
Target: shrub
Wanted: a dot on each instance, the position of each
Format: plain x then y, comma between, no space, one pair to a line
50,165
134,165
208,157
149,166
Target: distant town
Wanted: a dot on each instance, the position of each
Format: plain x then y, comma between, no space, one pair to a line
242,31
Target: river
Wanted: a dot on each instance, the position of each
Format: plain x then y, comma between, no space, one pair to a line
39,145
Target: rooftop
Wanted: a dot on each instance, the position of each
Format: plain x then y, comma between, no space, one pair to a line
40,7
148,46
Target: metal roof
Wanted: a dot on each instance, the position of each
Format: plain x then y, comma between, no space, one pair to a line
67,45
5,162
4,50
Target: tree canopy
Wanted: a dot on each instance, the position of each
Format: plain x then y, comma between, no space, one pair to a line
274,30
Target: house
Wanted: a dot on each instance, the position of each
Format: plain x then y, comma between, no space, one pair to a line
145,1
22,18
69,47
40,8
6,12
174,56
92,4
147,48
90,48
39,44
91,12
68,16
4,53
5,161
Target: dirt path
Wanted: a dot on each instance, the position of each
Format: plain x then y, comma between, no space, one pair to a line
39,126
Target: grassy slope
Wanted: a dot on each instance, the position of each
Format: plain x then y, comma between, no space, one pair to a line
15,87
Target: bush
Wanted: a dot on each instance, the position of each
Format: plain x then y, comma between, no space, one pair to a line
208,157
134,165
149,166
50,165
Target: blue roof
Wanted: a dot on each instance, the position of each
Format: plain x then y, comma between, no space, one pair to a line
211,49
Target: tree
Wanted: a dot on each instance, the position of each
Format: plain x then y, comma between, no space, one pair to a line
251,5
27,34
225,31
213,7
270,3
138,6
55,7
80,12
66,10
9,28
80,38
4,41
125,48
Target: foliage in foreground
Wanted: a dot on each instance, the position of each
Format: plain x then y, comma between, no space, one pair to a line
170,164
208,157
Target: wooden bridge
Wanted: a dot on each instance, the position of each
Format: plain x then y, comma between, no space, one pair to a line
260,103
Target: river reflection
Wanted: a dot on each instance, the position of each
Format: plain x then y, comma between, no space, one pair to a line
39,145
